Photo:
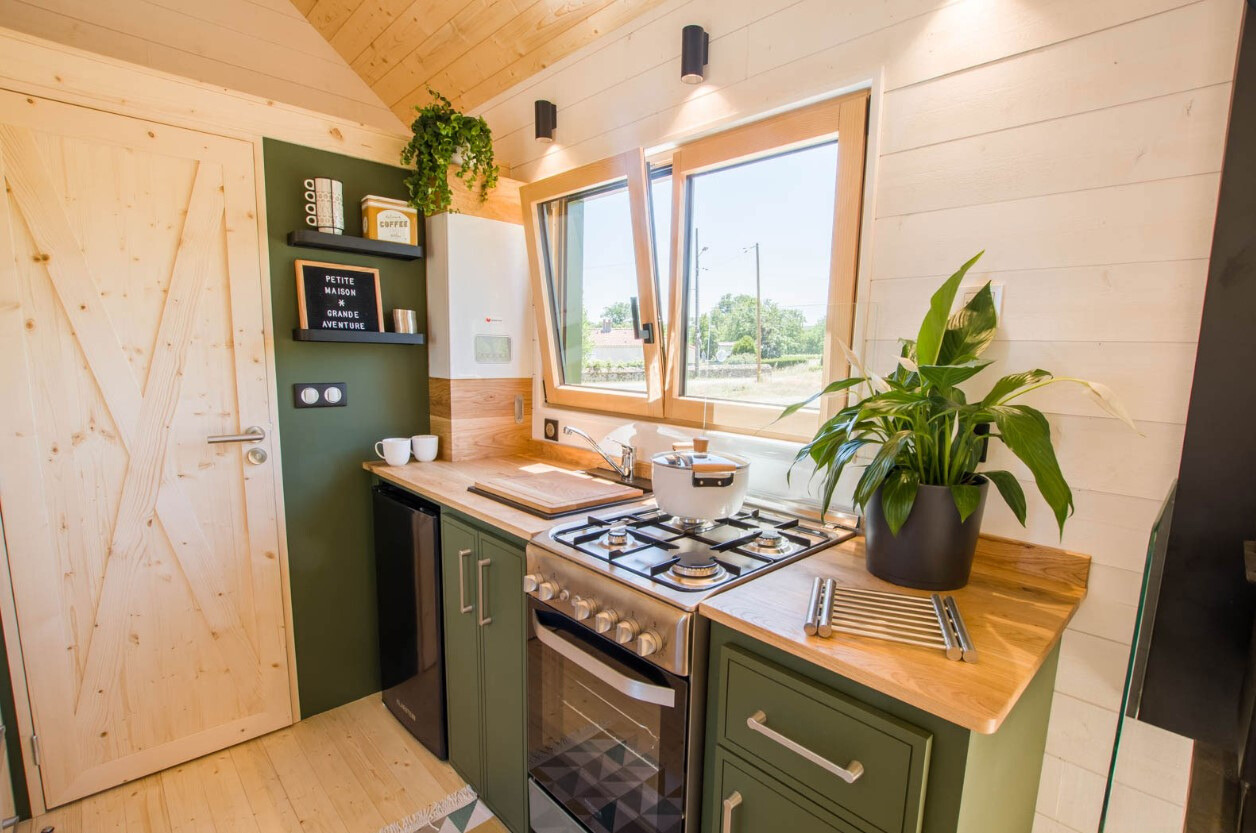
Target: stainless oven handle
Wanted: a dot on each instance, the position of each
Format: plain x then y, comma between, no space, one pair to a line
851,773
637,690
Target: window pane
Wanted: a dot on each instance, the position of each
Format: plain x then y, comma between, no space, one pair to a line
760,237
592,280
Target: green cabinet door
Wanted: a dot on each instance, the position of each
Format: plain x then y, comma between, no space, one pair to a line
747,800
502,641
462,649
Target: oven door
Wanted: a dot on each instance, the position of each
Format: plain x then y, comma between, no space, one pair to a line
606,732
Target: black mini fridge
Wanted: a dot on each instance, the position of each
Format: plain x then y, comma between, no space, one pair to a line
408,581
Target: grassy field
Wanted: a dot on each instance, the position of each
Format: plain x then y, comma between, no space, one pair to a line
783,386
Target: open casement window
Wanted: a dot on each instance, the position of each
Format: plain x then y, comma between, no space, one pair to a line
765,238
592,264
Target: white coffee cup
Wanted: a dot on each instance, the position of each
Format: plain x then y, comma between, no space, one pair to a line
396,450
424,446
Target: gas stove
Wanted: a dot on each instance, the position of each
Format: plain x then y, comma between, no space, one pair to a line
687,557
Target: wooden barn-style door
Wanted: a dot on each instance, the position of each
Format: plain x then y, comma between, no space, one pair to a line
144,561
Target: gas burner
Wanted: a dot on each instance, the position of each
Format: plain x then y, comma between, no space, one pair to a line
707,570
616,537
770,539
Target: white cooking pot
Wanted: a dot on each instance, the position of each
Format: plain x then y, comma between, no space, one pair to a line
696,486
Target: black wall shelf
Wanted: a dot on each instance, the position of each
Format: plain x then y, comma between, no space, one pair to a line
309,239
359,336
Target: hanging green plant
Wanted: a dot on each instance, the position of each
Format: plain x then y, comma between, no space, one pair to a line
440,134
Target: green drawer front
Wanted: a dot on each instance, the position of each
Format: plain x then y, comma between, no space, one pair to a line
887,797
759,803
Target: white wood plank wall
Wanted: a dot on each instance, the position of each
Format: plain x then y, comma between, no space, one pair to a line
1080,144
262,47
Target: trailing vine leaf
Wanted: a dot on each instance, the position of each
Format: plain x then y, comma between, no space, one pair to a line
440,132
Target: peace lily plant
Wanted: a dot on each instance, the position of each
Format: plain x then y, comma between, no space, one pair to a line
925,434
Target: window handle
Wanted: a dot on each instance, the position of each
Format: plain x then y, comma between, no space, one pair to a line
645,331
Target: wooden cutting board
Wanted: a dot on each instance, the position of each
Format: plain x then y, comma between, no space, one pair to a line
555,492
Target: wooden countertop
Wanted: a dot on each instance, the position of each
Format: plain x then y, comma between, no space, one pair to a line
447,483
1016,607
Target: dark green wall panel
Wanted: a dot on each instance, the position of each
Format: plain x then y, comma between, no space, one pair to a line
326,492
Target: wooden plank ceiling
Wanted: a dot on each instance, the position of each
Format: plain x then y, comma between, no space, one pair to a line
469,50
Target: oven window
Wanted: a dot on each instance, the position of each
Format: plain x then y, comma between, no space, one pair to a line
612,759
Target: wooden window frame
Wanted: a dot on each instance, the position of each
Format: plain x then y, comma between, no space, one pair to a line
629,167
844,119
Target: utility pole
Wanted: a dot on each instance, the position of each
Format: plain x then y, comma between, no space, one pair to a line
758,319
697,308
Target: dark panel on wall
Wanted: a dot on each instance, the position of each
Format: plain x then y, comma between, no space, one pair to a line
1203,626
326,492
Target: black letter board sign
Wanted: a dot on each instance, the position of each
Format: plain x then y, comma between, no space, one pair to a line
331,296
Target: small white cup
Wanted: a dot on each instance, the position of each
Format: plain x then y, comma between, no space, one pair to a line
424,446
396,450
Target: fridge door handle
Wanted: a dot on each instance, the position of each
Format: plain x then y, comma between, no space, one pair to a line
482,580
636,689
462,581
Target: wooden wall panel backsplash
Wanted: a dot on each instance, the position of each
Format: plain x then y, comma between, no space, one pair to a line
477,417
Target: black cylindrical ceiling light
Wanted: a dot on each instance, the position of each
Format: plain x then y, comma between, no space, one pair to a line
695,44
546,117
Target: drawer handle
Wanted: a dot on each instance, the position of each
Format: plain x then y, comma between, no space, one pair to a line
851,773
730,804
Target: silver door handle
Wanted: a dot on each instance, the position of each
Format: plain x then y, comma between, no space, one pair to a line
252,434
851,773
730,804
637,690
462,582
482,579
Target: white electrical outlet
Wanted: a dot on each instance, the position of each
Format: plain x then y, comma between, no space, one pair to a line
969,291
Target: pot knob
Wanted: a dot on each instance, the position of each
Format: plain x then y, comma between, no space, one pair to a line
530,582
649,643
626,631
584,608
546,590
605,620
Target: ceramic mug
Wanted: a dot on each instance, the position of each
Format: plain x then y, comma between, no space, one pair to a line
396,450
424,446
324,207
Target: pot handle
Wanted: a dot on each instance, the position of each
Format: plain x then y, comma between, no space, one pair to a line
712,476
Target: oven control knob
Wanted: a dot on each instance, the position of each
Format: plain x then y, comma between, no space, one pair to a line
584,608
626,631
649,643
531,581
605,620
546,590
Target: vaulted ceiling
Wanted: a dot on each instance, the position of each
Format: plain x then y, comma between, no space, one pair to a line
469,50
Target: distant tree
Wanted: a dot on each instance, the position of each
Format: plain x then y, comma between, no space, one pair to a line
784,330
619,314
744,345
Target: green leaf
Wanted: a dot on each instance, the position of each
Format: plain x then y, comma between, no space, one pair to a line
970,331
1010,488
886,459
933,328
966,499
949,375
832,387
1027,434
1010,384
898,495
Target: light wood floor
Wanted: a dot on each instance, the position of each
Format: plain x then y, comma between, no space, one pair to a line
350,770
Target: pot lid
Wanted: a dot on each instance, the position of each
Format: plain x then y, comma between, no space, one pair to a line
700,460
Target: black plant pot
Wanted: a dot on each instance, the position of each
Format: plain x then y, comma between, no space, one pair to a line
933,550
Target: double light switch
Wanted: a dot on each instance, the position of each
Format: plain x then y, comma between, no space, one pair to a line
320,394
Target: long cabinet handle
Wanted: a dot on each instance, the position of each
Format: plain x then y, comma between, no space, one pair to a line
463,607
479,591
850,773
730,804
